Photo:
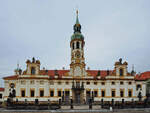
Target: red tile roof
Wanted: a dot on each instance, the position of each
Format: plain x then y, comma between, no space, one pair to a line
143,76
103,73
51,73
11,77
1,89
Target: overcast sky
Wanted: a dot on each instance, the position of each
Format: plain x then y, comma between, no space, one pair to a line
42,29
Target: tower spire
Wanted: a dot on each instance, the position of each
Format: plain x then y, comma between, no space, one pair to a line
133,67
77,18
77,26
132,72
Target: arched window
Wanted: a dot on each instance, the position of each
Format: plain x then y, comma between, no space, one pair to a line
33,71
121,72
73,45
78,45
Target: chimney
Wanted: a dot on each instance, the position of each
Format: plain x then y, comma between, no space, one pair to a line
99,73
107,72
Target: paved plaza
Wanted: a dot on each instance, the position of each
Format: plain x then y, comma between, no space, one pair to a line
68,110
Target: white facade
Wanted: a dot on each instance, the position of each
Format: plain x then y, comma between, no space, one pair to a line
77,83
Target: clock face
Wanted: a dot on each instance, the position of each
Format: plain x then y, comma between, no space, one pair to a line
78,54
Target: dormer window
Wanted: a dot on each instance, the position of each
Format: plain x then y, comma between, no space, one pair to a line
121,72
32,70
78,44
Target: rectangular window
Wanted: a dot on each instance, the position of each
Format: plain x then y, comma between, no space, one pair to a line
41,82
32,82
121,83
67,82
67,93
88,93
59,93
41,93
121,93
130,83
103,93
113,93
1,96
51,93
23,93
95,83
130,93
103,83
32,93
51,83
23,82
88,83
59,83
113,83
95,94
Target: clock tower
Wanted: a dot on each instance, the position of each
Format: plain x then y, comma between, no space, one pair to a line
77,66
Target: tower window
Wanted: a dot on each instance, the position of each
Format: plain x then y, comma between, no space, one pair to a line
121,72
78,45
73,45
32,71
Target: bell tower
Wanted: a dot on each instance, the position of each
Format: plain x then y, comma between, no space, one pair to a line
77,66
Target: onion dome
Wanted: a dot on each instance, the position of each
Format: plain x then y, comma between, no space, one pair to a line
77,30
77,36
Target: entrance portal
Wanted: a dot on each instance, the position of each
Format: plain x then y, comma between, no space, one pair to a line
77,97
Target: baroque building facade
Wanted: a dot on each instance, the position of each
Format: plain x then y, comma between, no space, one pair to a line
77,83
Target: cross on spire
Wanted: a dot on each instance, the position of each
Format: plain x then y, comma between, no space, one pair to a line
77,19
77,26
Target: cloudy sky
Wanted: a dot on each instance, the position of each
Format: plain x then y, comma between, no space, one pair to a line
42,29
